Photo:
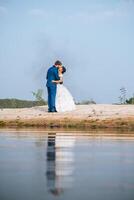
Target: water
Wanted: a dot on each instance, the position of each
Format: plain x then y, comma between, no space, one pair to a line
43,165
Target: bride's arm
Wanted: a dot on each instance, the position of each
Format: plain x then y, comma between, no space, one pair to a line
58,81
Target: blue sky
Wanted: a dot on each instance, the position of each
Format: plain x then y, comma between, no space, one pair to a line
93,38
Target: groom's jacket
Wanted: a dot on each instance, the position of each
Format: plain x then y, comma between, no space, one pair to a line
52,74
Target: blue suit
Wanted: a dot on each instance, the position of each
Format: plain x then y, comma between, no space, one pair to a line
52,74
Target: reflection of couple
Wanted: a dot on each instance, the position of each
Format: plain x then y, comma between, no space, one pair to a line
59,98
60,162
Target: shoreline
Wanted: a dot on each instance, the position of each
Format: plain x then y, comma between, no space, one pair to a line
119,123
99,116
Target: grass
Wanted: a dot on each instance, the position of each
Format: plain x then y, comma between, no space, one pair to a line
2,123
119,123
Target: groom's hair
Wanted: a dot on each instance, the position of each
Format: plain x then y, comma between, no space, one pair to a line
63,70
58,62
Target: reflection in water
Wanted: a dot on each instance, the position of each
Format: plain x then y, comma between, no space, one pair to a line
94,165
60,158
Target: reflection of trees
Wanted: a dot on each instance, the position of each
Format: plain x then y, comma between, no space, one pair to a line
59,162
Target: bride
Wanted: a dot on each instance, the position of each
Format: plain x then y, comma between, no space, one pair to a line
64,100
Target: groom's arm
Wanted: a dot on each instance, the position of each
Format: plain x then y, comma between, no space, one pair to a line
60,81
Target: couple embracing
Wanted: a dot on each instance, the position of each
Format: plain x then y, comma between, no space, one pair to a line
59,98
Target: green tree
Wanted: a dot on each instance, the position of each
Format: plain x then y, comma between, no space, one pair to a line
122,97
130,100
86,102
38,95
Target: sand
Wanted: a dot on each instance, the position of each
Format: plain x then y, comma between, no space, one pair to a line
100,111
83,113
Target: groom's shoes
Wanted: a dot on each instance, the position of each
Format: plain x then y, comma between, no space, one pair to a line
52,111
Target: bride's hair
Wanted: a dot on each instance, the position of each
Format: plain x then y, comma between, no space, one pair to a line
63,69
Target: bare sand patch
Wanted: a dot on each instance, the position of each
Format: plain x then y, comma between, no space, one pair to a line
105,115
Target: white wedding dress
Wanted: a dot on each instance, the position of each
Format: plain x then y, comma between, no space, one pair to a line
64,100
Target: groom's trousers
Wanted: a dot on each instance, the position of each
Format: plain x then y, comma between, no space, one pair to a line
51,98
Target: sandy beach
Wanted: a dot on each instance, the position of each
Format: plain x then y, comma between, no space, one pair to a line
100,115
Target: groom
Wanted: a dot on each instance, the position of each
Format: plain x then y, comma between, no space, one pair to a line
52,74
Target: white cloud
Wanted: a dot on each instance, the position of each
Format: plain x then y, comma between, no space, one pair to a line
102,14
3,10
36,12
122,9
114,13
94,16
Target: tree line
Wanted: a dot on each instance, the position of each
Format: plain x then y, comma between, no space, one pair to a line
39,100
